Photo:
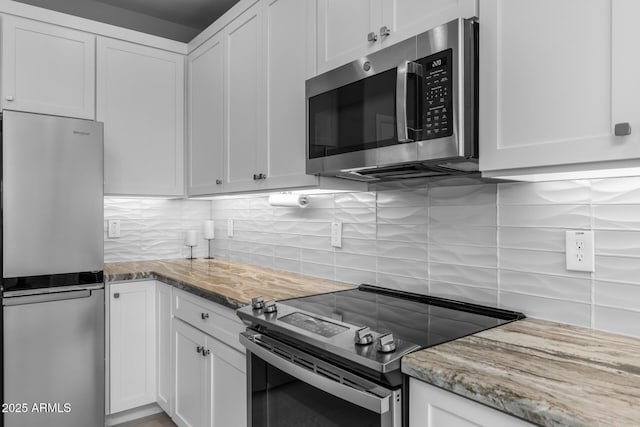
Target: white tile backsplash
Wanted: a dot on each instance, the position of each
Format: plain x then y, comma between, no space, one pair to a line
496,244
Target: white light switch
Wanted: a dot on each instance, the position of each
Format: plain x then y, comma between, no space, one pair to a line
229,228
113,228
336,234
580,250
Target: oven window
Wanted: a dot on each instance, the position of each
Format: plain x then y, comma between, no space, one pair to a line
358,116
280,400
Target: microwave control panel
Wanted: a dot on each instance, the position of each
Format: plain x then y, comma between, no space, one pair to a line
437,103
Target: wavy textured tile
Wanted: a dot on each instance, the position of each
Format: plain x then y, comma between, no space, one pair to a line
318,270
543,193
616,190
317,256
620,269
357,231
616,217
565,216
405,250
618,321
361,262
354,276
472,294
464,275
286,264
404,215
464,255
358,246
571,312
355,200
462,234
288,252
403,267
483,215
553,263
468,195
402,198
618,243
355,215
617,295
416,233
543,285
400,282
541,239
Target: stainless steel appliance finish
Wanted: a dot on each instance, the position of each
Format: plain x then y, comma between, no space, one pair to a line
52,196
52,284
382,130
312,355
54,358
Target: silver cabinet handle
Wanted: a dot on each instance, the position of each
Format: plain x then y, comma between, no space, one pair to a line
385,31
622,129
205,352
116,295
199,349
372,37
218,181
9,98
404,69
204,316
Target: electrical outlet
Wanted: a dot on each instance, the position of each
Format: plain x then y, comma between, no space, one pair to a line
113,228
336,234
229,228
580,254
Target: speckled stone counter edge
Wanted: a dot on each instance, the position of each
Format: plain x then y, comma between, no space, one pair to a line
150,275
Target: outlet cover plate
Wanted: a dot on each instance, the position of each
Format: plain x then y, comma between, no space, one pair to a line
336,234
579,246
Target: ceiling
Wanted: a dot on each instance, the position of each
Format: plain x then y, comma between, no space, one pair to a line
173,19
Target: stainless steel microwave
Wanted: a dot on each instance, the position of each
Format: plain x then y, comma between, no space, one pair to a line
405,111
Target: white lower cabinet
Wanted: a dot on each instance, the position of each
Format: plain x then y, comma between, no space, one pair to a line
431,406
164,316
176,349
132,345
210,372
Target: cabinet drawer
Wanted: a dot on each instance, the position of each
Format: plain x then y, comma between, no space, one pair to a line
211,318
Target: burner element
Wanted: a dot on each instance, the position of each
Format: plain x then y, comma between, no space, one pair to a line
386,343
364,336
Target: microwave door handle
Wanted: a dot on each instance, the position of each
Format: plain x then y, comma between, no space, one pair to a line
404,69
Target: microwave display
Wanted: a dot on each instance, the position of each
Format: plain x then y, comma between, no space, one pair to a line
438,97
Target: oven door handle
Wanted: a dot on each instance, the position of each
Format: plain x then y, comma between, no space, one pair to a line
377,404
404,69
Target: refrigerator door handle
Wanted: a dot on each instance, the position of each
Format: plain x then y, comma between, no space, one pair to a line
53,290
34,299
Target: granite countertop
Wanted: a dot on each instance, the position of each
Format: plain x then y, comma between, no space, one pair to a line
231,284
547,373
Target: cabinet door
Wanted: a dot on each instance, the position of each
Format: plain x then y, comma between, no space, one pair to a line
546,96
132,339
229,385
140,99
406,18
192,406
433,407
47,69
342,29
286,23
163,346
244,100
206,118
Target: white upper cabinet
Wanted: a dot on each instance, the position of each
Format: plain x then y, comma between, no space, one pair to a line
244,101
206,117
286,25
348,30
140,99
555,79
47,69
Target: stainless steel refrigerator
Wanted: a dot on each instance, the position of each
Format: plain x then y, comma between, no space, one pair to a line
52,282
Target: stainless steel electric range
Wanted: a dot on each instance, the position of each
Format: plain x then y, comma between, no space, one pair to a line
333,359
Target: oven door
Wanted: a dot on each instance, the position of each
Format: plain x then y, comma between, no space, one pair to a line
290,388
